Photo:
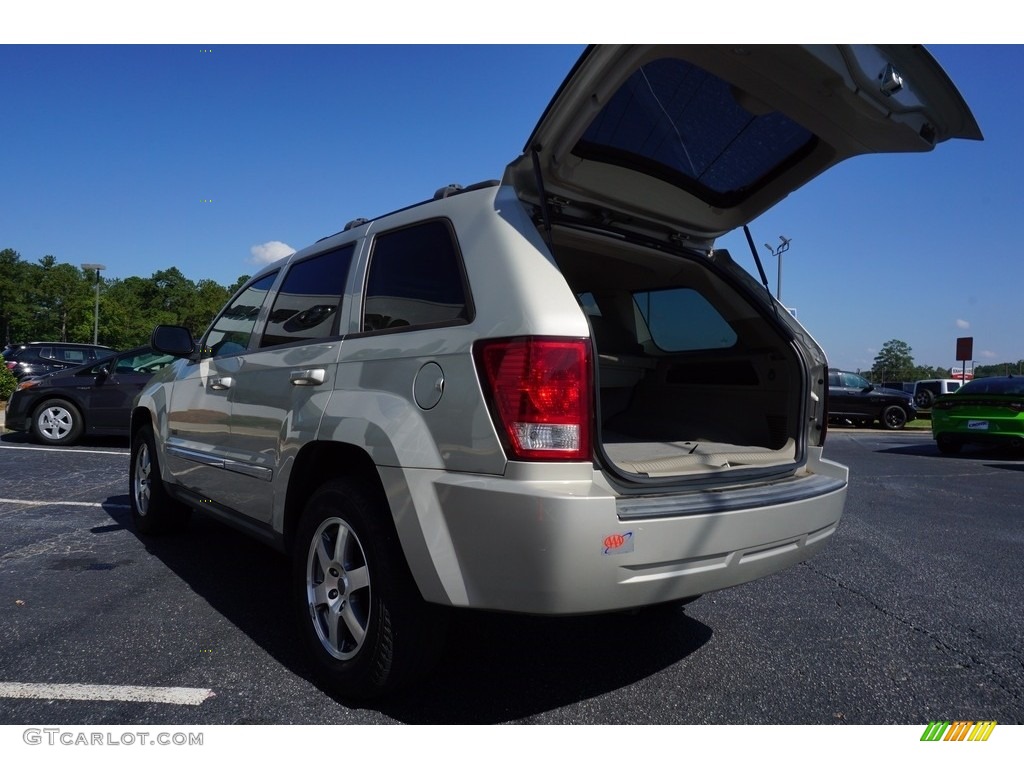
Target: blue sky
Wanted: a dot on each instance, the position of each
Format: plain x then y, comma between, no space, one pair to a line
213,157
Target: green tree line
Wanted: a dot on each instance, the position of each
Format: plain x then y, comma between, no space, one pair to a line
55,301
894,362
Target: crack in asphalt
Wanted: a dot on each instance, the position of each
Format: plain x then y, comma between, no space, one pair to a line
943,645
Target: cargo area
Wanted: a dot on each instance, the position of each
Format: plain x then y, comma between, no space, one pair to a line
692,378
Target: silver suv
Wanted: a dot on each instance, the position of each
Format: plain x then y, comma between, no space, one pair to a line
549,394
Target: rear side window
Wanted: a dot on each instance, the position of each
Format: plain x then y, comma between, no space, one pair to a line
416,280
230,332
681,320
308,303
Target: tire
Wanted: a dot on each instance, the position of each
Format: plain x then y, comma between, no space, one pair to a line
366,627
948,444
924,398
894,417
153,510
57,422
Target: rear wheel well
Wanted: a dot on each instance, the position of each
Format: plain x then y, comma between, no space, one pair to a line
321,461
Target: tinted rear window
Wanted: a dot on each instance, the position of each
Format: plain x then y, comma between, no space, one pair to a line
1013,386
416,279
677,122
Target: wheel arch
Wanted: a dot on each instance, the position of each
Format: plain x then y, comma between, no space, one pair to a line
320,461
139,418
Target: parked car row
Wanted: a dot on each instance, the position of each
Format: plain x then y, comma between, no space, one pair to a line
58,408
987,411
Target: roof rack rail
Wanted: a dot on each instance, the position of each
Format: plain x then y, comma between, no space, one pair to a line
458,189
443,192
451,189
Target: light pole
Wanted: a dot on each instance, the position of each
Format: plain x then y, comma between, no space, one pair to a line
778,251
96,314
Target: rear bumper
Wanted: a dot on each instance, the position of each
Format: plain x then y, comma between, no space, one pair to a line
570,548
986,429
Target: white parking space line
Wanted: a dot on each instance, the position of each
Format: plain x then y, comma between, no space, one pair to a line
61,450
188,696
63,503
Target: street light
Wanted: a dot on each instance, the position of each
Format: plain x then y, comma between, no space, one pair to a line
778,251
96,314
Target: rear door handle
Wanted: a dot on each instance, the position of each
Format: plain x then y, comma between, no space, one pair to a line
225,382
308,378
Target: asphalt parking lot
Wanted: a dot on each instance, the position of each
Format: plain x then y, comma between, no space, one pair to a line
912,614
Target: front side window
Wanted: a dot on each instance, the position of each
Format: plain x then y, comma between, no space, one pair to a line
230,332
681,320
308,303
415,280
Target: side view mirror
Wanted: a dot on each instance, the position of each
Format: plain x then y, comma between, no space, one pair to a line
175,340
868,388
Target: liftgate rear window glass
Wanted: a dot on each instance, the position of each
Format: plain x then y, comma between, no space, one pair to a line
676,122
415,280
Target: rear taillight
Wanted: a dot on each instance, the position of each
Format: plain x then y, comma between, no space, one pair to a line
540,393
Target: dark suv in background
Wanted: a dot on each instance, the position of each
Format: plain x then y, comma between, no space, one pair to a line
853,398
38,357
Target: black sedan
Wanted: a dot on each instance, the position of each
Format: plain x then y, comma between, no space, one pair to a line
93,399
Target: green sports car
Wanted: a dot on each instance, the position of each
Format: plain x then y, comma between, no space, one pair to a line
989,410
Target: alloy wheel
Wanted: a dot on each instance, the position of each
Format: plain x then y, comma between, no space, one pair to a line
141,484
55,423
338,588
